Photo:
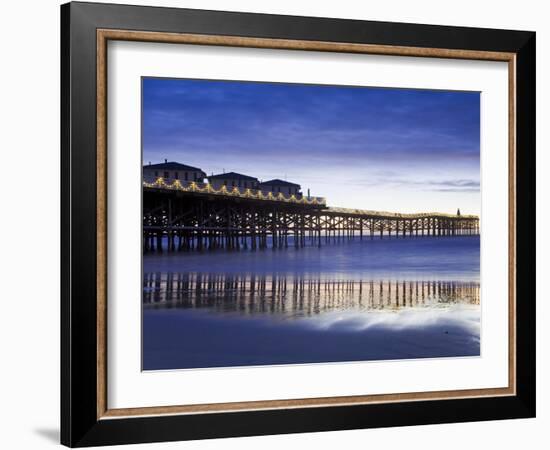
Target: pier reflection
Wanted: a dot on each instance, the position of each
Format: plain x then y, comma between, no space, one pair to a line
253,294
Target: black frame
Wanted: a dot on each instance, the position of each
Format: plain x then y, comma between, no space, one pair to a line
79,423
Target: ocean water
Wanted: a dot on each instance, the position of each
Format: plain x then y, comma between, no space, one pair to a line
356,300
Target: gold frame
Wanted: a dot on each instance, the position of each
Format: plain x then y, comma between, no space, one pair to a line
103,36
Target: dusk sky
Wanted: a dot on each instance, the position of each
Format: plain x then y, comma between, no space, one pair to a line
399,150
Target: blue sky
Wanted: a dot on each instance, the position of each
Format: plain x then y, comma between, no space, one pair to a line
386,149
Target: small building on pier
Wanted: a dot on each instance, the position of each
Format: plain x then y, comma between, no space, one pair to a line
233,179
280,186
172,171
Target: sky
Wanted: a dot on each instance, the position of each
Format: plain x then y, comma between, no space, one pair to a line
387,149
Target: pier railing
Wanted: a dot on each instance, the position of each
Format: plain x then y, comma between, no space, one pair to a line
254,194
394,215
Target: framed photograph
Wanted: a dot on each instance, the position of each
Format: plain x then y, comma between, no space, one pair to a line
276,224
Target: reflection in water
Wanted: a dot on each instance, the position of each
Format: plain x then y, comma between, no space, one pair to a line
296,297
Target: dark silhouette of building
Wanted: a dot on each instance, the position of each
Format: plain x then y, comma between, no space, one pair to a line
233,179
172,171
284,187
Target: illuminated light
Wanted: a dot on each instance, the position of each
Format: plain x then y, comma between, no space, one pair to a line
160,182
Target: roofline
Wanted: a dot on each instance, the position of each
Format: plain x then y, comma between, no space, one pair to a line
184,166
277,181
229,175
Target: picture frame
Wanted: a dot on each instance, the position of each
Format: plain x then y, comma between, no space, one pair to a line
86,418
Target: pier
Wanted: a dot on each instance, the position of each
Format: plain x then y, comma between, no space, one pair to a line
194,216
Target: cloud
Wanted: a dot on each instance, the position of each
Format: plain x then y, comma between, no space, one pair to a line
376,124
391,179
474,190
456,183
454,186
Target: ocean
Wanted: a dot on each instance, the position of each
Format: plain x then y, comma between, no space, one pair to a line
353,300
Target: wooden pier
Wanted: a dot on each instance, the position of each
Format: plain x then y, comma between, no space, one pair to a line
192,217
